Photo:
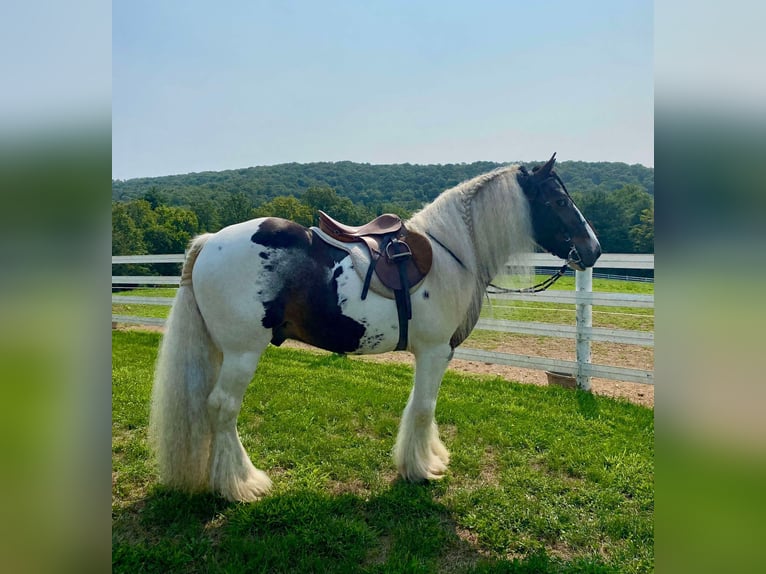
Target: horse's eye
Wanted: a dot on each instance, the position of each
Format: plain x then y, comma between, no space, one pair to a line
561,202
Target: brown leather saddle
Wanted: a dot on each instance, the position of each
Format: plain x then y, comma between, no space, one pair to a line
390,244
401,258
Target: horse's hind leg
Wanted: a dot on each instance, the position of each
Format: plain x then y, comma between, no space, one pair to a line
419,454
231,472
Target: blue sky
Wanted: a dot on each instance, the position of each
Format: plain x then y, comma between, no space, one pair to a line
202,86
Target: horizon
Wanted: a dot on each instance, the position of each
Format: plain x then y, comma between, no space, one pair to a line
525,162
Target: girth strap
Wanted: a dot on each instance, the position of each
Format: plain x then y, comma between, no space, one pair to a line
399,252
396,251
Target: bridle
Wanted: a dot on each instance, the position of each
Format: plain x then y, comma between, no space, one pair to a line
572,257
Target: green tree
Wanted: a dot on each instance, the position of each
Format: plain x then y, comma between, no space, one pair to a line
631,201
174,229
141,213
642,235
179,218
236,208
338,207
395,208
614,214
287,207
323,198
127,238
155,197
207,215
605,217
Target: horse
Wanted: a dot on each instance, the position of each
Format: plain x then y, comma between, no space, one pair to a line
268,279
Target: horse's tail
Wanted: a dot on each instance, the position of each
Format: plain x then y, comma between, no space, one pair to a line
187,369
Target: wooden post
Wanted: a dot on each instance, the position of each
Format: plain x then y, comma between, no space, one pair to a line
583,284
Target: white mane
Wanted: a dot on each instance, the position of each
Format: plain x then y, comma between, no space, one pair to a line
485,223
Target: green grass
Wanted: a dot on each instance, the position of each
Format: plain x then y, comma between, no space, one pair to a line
542,479
138,310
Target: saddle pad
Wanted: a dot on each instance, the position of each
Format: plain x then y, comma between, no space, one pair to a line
360,257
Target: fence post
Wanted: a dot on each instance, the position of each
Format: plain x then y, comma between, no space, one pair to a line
583,284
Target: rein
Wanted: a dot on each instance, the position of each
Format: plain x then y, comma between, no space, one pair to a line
573,257
542,286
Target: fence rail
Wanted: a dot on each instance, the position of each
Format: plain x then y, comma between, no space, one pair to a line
599,334
558,365
607,260
583,298
582,332
176,258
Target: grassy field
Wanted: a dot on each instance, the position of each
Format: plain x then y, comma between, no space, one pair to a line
542,479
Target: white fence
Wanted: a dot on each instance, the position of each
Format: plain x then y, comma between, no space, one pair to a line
583,331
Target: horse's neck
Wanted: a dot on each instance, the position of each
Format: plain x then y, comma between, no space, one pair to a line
448,220
481,224
483,220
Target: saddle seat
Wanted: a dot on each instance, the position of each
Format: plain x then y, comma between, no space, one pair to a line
381,225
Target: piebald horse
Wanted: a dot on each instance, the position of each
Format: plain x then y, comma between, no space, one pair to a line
268,279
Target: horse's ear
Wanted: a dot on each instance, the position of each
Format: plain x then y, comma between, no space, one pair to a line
545,171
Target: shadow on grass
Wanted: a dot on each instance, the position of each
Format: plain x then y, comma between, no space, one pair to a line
399,530
587,404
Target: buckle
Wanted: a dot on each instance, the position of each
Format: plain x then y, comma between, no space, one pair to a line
399,254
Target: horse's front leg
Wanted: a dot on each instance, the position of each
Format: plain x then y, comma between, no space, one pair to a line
419,454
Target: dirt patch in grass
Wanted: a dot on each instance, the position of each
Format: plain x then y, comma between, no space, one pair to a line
489,468
355,487
378,554
465,554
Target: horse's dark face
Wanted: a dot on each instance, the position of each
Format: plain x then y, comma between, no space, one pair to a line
557,224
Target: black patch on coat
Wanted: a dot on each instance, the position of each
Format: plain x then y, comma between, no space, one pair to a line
275,310
263,254
281,233
306,306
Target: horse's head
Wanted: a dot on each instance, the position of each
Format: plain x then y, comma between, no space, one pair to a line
557,224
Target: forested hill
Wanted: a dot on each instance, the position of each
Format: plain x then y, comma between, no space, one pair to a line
161,214
406,185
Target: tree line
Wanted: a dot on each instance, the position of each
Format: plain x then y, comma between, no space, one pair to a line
405,185
161,215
